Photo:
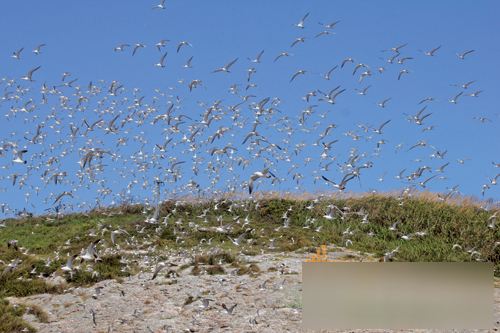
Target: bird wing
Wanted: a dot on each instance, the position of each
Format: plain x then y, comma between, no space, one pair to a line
383,125
229,65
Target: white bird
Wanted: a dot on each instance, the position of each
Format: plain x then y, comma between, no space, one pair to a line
136,47
463,55
300,39
475,94
396,49
406,237
240,239
369,73
329,26
205,302
331,98
363,92
37,50
160,64
16,54
117,232
454,100
19,158
383,103
298,72
394,226
283,54
160,5
256,59
118,48
378,131
330,212
432,52
188,64
256,175
225,68
224,228
300,24
90,251
161,266
403,71
182,43
30,73
462,85
69,264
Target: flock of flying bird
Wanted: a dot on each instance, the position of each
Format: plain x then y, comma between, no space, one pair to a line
80,133
96,123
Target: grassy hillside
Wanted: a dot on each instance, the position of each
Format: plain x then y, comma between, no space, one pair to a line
44,245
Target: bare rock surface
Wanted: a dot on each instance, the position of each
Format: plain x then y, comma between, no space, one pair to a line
139,304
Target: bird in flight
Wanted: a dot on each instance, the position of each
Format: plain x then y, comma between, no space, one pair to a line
454,100
475,94
432,52
346,60
160,64
90,251
136,47
395,48
37,50
160,5
238,241
162,43
182,43
363,92
298,72
283,54
378,131
342,184
461,56
188,64
16,54
331,99
327,76
403,71
329,26
300,25
30,73
383,103
300,39
257,175
19,158
120,48
161,266
258,57
226,68
462,85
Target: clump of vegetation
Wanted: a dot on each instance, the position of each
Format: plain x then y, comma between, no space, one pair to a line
11,318
216,270
189,300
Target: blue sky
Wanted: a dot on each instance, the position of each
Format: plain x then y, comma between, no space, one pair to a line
80,39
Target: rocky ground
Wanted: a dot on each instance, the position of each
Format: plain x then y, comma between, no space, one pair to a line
138,304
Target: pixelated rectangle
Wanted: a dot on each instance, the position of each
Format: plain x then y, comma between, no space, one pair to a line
397,295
